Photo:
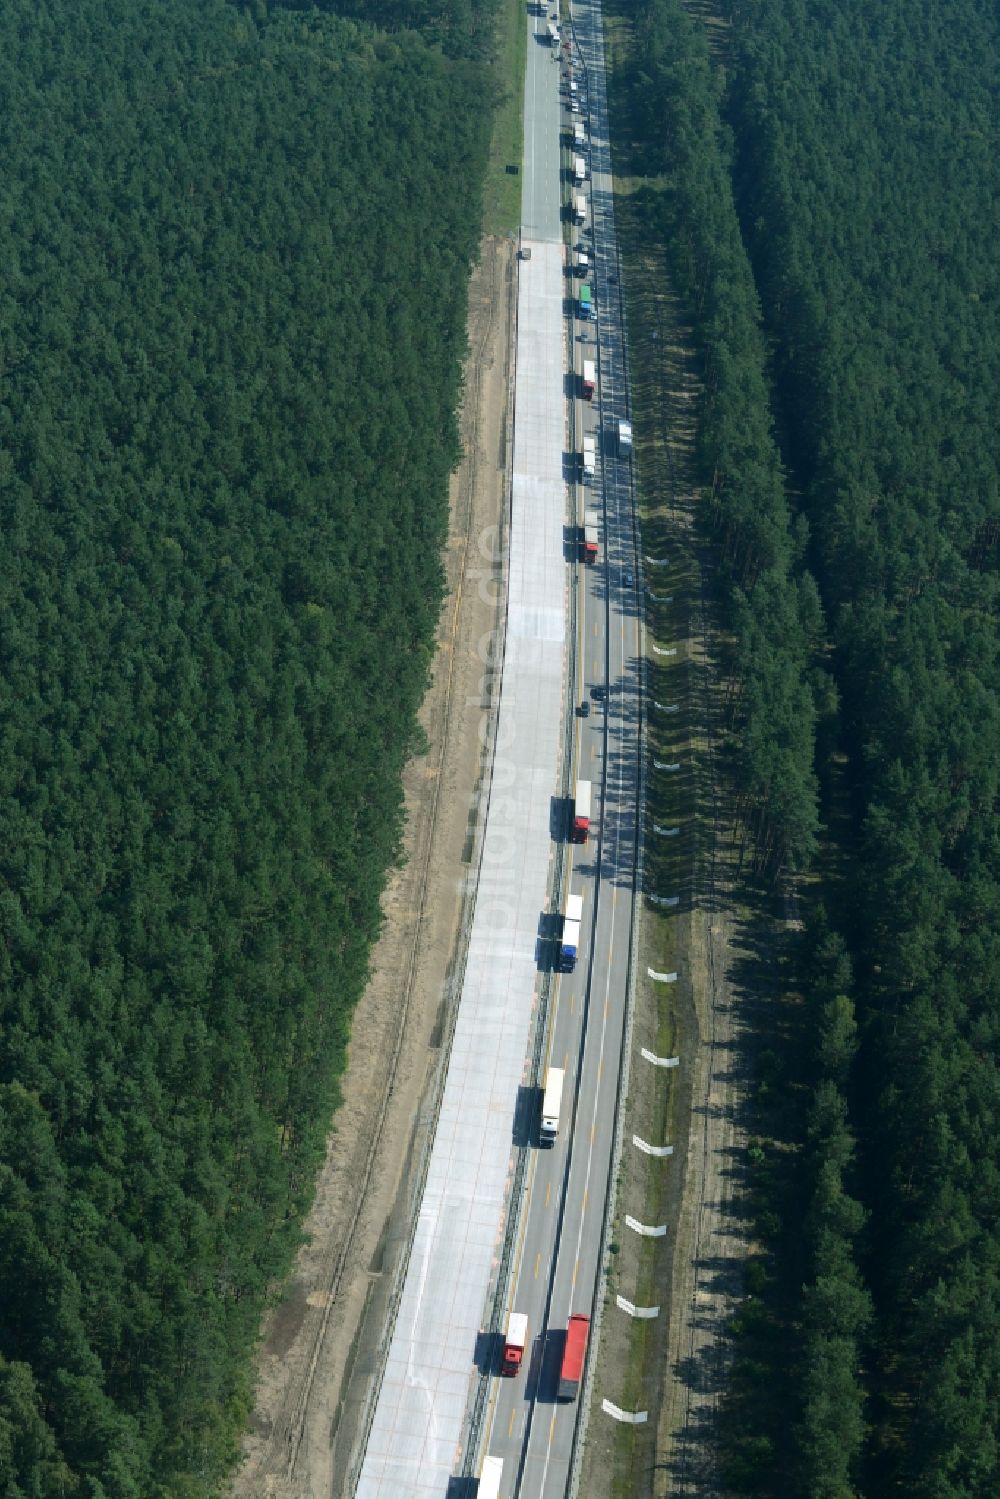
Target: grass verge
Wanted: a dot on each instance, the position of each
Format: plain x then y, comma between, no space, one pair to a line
502,191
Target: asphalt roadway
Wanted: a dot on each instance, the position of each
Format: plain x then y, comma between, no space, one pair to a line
558,1248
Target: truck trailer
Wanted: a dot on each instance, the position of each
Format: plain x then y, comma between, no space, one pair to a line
590,534
551,1104
514,1343
588,379
589,457
569,944
490,1478
574,1354
581,805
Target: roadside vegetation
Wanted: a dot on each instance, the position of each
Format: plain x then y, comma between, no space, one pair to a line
821,181
236,248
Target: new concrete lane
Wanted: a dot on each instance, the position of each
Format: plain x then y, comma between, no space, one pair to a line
414,1442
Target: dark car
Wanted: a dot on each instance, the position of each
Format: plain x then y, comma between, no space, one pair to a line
584,709
598,694
629,580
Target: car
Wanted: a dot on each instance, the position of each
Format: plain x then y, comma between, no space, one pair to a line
629,580
599,694
584,709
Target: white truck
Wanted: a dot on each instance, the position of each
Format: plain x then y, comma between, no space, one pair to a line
579,139
569,944
490,1478
580,209
625,439
579,170
551,1104
514,1344
589,457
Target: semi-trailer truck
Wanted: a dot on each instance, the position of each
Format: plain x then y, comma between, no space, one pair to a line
514,1343
551,1104
589,457
581,808
588,379
590,533
586,302
574,1353
569,944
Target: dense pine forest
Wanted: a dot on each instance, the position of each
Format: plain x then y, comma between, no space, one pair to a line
824,184
236,242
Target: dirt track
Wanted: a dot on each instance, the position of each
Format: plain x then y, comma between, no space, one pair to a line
320,1342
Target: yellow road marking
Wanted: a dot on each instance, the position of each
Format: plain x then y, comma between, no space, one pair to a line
548,1193
510,1428
538,1264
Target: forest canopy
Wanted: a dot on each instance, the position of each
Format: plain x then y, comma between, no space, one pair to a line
826,174
236,248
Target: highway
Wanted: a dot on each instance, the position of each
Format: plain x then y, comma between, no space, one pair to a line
519,1229
558,1246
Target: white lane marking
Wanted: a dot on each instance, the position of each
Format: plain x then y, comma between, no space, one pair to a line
657,1150
660,1061
631,1418
637,1311
648,1230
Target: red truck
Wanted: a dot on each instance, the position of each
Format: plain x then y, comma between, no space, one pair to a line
513,1347
591,530
581,813
574,1354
